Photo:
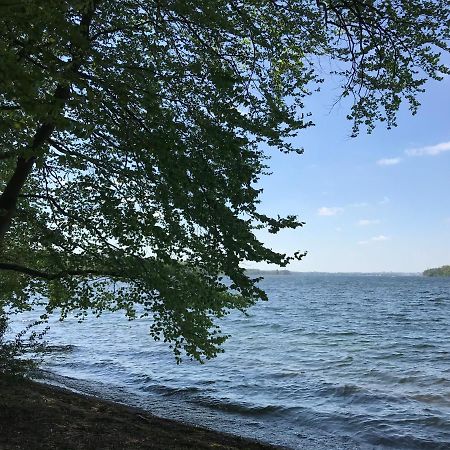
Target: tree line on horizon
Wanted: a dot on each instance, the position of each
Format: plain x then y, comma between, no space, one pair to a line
443,271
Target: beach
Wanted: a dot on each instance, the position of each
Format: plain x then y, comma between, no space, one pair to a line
40,416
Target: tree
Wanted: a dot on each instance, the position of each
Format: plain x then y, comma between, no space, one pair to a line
131,136
443,271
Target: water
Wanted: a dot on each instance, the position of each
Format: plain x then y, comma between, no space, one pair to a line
331,362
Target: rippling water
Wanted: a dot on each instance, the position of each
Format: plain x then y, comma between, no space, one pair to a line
330,362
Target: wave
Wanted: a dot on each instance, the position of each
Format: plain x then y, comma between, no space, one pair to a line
240,407
340,390
287,374
169,390
432,399
58,348
406,441
344,333
360,395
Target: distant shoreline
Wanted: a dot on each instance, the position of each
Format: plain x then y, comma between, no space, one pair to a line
443,271
291,272
40,416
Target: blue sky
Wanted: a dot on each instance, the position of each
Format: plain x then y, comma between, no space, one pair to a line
378,202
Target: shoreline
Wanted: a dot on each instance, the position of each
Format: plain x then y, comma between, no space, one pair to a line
37,415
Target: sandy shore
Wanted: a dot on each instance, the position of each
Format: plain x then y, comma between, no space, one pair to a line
38,416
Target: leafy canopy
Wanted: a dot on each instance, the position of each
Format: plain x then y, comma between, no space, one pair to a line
131,135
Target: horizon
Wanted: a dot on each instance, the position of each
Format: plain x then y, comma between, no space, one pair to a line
282,269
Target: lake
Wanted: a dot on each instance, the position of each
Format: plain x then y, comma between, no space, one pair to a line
330,362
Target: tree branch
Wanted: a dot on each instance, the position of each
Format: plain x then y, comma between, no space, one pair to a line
56,275
9,197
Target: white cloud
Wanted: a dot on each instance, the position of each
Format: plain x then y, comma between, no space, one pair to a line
380,238
365,222
389,161
385,201
325,211
359,205
430,150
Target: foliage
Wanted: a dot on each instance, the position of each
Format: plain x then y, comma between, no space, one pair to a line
18,356
443,271
132,135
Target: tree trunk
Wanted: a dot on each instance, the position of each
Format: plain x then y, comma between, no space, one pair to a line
9,197
8,200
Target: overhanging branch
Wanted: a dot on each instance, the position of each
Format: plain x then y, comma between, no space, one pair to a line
56,275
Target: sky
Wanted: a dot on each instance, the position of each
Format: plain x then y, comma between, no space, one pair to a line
375,203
